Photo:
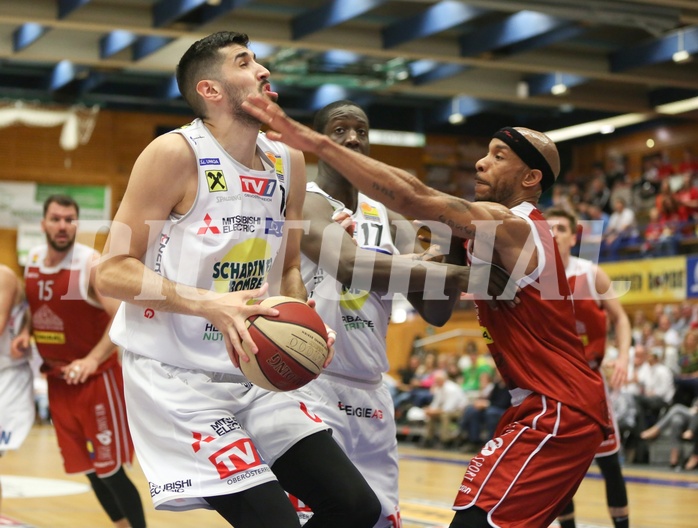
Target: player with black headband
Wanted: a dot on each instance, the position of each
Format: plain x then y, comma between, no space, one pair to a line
525,474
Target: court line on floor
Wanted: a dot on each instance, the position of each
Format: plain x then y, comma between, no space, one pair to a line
655,481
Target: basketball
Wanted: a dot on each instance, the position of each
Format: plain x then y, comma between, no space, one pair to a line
292,347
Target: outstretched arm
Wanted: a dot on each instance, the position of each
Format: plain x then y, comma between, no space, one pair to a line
397,189
403,193
329,245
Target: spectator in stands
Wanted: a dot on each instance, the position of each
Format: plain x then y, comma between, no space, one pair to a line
648,338
688,165
657,388
598,192
667,204
692,434
683,317
594,222
639,320
419,393
686,382
617,174
477,371
562,198
665,167
678,419
659,310
660,238
687,199
403,385
667,335
485,410
646,187
445,408
621,229
623,401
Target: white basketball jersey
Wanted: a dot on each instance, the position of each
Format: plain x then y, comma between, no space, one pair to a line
226,242
12,328
360,317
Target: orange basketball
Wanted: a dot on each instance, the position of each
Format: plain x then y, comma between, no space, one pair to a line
292,346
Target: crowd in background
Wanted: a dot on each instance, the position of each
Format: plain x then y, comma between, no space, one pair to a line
647,216
458,398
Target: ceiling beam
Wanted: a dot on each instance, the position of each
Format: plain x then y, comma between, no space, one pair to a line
62,74
165,12
331,14
114,42
460,104
561,34
437,73
543,84
513,29
211,12
65,7
148,45
27,34
655,51
437,18
654,18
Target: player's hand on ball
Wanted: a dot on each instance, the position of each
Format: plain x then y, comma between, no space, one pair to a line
228,314
331,338
292,347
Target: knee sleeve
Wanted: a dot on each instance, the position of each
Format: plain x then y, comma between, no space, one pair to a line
473,517
263,506
105,498
125,495
319,473
567,510
616,493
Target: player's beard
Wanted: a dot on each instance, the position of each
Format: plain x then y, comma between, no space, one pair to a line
60,247
236,96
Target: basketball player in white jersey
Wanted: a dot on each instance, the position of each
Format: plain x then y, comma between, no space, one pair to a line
16,382
594,304
350,294
194,240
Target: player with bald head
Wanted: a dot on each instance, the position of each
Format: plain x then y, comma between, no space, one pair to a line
525,475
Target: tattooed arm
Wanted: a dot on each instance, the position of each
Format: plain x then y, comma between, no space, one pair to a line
402,192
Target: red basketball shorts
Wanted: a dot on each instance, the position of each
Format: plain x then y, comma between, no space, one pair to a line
532,467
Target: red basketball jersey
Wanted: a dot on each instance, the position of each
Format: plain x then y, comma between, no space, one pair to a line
535,344
66,323
590,315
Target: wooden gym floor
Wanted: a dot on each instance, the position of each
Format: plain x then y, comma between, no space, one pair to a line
428,482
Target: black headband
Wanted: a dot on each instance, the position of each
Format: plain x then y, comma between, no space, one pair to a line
529,154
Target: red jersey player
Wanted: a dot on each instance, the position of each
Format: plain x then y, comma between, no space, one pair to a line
70,324
594,305
524,476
